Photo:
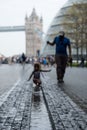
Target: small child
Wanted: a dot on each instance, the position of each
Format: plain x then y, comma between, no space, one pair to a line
36,74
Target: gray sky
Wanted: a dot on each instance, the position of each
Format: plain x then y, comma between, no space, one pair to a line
13,12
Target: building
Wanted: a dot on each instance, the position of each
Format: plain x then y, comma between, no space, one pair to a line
1,55
33,28
58,25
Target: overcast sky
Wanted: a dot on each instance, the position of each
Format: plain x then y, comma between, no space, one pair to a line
13,12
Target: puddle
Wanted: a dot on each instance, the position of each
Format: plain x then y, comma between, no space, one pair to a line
39,115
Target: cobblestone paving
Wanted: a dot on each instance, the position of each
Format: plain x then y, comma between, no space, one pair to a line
64,113
15,107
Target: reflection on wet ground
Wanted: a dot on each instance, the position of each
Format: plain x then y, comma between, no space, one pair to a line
39,115
9,75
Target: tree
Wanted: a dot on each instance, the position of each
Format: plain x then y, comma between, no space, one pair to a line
75,25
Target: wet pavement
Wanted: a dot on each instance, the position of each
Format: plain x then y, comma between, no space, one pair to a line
75,85
39,114
64,113
9,75
15,105
20,109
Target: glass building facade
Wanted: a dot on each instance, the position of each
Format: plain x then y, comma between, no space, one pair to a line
57,25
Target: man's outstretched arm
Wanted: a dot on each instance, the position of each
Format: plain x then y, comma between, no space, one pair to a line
50,43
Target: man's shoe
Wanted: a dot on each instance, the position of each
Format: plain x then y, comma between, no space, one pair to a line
60,81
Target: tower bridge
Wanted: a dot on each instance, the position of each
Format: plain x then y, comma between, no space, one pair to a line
12,28
33,32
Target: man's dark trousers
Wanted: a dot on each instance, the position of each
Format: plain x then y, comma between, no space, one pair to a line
61,62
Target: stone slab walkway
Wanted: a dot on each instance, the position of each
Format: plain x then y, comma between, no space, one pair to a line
64,113
15,107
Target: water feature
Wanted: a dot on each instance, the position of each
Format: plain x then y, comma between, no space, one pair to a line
39,115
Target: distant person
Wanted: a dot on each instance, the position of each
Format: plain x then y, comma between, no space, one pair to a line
82,62
23,58
44,61
36,74
61,57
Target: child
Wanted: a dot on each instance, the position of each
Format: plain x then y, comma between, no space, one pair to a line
36,74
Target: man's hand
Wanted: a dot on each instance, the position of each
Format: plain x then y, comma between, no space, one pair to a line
69,58
49,43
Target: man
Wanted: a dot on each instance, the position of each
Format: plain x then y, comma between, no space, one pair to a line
62,43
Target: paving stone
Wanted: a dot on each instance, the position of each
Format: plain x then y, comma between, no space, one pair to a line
62,108
15,109
6,128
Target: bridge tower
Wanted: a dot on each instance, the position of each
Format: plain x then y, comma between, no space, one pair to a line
33,28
